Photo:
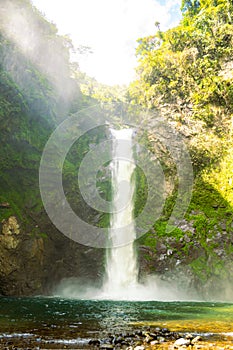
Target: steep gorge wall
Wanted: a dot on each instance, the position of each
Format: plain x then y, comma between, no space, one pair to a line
36,94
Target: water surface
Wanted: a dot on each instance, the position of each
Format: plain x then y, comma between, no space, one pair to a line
71,321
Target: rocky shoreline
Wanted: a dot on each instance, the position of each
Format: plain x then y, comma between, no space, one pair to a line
161,338
137,339
146,339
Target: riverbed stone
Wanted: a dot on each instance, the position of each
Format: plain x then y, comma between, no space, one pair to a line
161,339
154,342
196,340
94,342
189,336
181,342
106,346
148,339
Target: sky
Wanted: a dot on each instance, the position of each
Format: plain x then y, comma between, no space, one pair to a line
111,29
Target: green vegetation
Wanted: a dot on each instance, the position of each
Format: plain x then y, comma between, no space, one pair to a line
189,68
32,103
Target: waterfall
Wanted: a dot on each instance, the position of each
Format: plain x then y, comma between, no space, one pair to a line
121,270
121,260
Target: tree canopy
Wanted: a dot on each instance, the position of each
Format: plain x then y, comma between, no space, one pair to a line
190,64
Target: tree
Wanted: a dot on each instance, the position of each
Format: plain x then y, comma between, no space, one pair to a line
190,6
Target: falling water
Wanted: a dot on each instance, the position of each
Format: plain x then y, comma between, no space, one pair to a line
121,272
121,261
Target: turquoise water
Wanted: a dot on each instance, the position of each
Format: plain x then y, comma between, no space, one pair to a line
66,320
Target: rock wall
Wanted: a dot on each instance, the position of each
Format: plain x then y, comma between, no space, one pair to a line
199,267
34,265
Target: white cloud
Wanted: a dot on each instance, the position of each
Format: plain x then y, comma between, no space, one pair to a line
110,28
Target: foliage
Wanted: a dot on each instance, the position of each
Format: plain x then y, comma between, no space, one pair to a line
31,104
185,65
101,92
221,177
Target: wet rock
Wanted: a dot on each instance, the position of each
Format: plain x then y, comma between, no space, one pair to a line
165,330
162,257
195,340
94,342
118,340
181,342
148,339
154,342
154,335
189,336
169,252
138,333
161,339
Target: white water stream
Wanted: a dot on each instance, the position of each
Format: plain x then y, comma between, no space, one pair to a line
121,260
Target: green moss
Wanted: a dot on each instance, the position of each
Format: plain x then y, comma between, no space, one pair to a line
207,209
104,221
205,268
148,240
43,235
141,189
221,177
200,268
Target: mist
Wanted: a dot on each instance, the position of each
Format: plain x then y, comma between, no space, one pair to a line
39,43
153,288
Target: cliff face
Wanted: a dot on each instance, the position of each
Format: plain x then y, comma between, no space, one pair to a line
197,253
35,264
36,94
